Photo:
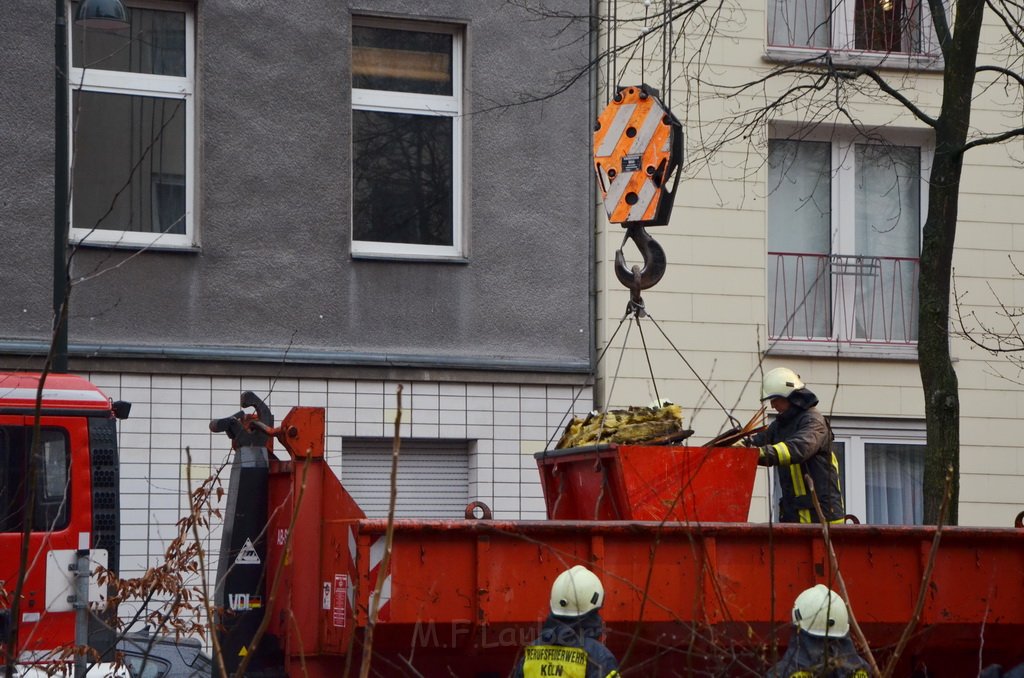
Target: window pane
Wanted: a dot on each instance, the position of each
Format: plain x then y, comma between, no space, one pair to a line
154,44
894,474
55,466
887,25
402,178
129,164
888,228
839,447
51,510
799,23
49,501
799,228
11,479
401,61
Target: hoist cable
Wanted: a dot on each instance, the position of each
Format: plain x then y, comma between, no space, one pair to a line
666,64
647,355
645,29
613,74
579,391
615,376
707,388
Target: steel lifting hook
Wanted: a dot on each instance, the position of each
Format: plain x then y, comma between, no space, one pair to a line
639,278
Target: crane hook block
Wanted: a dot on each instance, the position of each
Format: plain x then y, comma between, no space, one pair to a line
638,148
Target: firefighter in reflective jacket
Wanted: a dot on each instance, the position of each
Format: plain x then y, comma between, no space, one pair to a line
799,442
570,640
821,645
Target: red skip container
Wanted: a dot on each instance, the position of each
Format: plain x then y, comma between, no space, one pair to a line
648,482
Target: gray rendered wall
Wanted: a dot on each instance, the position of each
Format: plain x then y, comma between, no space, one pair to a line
273,199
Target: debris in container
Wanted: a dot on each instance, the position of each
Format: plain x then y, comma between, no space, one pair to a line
654,424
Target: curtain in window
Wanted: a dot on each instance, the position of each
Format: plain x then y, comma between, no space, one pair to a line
799,238
839,448
888,224
799,23
895,476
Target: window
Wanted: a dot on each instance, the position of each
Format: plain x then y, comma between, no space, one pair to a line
882,473
49,500
406,139
432,482
881,26
133,105
844,225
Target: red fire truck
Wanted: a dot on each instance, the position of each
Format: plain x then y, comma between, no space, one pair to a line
58,497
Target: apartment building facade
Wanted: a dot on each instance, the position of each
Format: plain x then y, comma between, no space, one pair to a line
320,203
796,238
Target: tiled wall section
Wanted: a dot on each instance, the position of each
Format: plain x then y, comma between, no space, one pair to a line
169,425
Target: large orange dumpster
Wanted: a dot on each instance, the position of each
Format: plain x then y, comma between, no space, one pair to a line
648,482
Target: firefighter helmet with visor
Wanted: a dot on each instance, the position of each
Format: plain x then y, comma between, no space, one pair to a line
779,383
821,612
576,592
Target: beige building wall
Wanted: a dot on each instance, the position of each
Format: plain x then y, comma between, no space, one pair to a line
711,307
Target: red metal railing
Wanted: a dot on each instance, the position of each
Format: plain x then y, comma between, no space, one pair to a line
842,298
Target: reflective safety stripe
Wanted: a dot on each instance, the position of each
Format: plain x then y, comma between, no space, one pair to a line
800,490
797,476
782,452
555,660
615,674
837,521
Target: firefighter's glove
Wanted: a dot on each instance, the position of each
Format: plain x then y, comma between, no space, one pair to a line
762,457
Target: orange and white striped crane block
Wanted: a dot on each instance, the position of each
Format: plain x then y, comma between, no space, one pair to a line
637,150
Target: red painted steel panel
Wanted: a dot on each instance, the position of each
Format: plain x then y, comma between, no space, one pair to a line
462,596
61,391
652,482
674,587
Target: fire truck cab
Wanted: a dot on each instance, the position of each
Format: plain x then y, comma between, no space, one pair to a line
59,489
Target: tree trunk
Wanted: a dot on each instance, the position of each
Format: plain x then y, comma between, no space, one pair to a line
941,394
941,391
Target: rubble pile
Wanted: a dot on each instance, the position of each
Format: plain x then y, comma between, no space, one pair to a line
630,426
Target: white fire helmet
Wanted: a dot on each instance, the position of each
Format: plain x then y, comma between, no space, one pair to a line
821,612
576,592
779,383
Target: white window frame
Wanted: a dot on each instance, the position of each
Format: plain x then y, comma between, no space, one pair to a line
427,105
147,85
856,434
843,194
842,33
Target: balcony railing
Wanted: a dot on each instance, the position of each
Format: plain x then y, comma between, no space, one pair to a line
879,26
842,298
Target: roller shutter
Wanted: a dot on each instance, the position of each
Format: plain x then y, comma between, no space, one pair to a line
433,477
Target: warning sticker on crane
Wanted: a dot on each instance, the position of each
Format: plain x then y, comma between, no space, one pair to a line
247,555
340,612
